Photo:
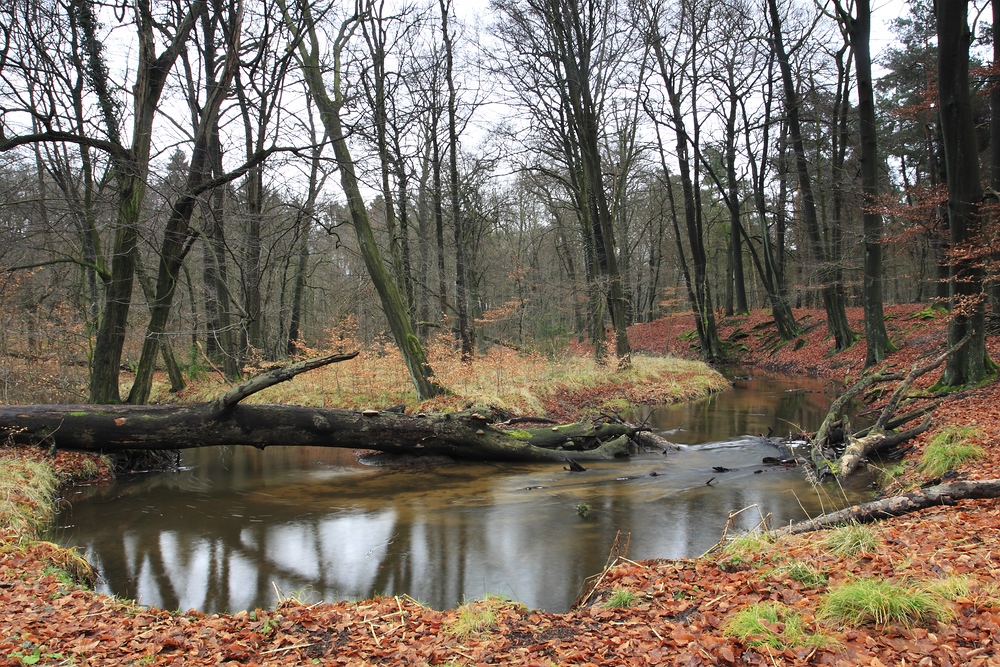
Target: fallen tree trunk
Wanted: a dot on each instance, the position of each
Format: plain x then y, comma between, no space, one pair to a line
881,436
475,434
469,434
941,494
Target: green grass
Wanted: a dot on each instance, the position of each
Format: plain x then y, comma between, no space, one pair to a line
748,547
851,540
949,449
774,625
27,490
480,616
964,587
748,544
881,602
622,598
803,572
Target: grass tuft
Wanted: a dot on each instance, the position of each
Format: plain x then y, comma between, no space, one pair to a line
622,598
882,602
804,573
851,540
774,625
746,544
478,617
963,588
949,449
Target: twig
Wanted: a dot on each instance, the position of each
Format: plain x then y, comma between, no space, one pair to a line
287,648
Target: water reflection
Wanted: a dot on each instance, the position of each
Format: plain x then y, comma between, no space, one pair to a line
239,525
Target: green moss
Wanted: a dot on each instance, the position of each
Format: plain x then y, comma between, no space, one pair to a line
928,313
519,434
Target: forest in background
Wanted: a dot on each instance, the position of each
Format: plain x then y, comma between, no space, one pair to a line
215,185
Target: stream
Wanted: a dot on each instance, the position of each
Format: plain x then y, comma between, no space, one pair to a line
236,528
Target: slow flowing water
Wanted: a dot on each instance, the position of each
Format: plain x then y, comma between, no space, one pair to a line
237,527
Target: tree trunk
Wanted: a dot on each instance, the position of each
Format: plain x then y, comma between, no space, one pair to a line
859,31
941,494
458,224
396,311
472,434
833,300
961,153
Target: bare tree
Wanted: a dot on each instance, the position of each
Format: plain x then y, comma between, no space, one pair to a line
679,75
830,288
304,30
570,52
156,26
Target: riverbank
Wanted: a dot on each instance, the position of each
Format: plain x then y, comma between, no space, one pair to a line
654,612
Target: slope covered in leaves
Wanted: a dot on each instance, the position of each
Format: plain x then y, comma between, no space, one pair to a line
649,613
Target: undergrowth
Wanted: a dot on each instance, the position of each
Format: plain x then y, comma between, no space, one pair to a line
521,382
26,492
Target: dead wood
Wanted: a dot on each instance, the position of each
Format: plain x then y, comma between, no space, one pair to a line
941,494
879,437
474,433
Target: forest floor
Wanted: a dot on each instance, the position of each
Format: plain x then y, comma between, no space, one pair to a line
677,612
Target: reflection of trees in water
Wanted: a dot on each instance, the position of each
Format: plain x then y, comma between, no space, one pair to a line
221,535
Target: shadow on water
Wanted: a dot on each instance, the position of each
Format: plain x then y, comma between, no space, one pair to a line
237,524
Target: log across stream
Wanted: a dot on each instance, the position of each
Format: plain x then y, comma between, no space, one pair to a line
237,523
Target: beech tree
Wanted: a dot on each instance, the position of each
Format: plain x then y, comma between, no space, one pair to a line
856,25
971,363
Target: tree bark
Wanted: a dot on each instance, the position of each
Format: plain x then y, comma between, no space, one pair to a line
859,33
468,435
458,224
396,311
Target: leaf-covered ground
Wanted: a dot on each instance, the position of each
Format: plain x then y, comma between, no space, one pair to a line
648,613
